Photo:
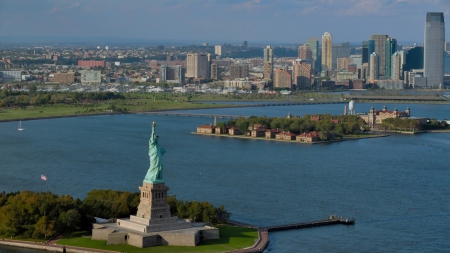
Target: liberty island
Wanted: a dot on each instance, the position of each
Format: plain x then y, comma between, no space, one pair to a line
153,225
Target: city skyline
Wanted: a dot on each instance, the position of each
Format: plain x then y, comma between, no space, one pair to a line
259,20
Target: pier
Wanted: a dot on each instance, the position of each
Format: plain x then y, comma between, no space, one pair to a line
332,221
263,232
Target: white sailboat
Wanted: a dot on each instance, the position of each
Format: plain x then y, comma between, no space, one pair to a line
20,126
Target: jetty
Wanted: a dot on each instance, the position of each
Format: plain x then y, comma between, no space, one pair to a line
263,232
331,221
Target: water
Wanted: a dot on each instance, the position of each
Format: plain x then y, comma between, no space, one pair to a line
396,187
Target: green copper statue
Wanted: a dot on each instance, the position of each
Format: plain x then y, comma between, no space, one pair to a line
155,152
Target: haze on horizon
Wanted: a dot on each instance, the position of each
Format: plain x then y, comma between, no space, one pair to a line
219,21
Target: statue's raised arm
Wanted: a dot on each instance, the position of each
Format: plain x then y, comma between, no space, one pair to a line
155,152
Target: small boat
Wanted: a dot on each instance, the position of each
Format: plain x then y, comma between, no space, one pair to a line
20,126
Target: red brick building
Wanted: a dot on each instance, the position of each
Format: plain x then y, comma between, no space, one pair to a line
91,63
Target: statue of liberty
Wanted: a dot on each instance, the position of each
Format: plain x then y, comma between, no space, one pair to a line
155,152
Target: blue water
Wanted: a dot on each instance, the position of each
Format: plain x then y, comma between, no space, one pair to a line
396,187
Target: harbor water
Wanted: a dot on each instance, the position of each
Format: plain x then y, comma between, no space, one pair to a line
397,187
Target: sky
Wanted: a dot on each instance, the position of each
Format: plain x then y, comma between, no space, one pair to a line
219,21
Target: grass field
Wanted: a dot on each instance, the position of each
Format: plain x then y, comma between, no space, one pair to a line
231,238
127,105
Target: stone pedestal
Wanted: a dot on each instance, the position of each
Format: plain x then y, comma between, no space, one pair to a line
153,203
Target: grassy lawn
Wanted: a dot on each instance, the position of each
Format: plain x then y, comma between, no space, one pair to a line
231,238
131,105
22,239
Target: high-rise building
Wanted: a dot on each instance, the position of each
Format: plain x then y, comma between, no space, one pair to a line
447,46
327,51
365,52
197,65
238,71
391,48
413,59
218,49
434,49
171,74
374,62
313,44
342,63
340,51
357,60
379,41
305,53
268,62
214,72
282,79
244,44
396,66
302,74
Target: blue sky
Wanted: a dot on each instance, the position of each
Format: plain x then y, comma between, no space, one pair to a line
220,21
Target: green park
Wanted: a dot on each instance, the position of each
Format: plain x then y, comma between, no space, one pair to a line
37,217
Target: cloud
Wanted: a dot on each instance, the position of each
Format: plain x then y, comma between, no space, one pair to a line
310,9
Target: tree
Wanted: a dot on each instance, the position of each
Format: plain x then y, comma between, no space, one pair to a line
44,227
222,215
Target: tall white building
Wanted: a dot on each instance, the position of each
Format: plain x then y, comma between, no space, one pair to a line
218,49
197,65
434,49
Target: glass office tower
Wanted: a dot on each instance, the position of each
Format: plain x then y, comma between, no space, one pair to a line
434,49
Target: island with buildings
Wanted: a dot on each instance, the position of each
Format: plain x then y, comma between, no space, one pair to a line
326,127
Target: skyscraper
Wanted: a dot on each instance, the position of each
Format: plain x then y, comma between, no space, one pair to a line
282,79
327,51
218,49
313,44
374,62
365,52
434,49
379,41
268,62
244,44
302,75
340,51
396,66
305,53
414,59
197,65
391,48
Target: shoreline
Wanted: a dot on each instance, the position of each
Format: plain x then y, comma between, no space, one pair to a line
50,247
224,106
345,138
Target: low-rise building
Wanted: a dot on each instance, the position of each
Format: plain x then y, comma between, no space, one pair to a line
206,129
258,132
220,130
377,116
287,136
234,130
271,133
308,137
